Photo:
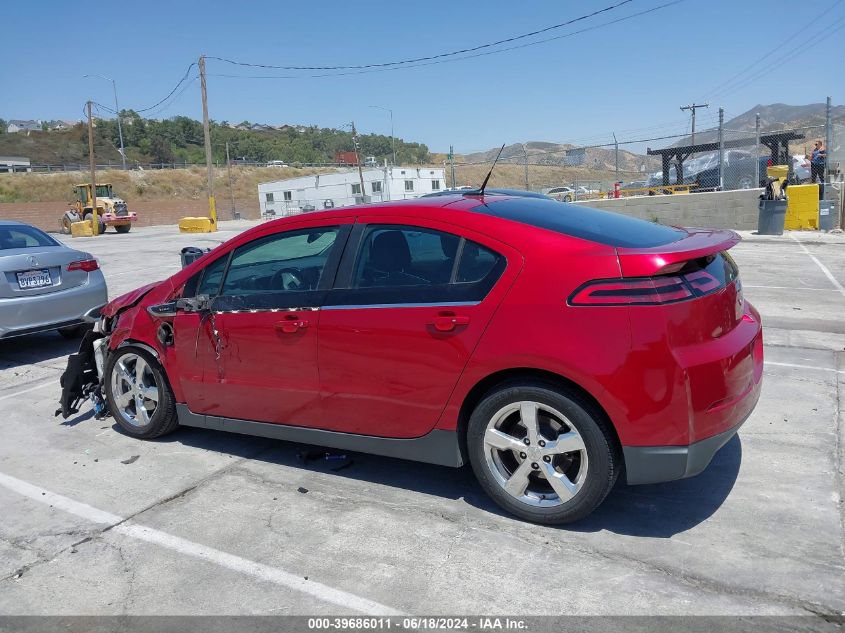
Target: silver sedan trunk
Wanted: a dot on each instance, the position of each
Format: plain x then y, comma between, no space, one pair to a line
45,285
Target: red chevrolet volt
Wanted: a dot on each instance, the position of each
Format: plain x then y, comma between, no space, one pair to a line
549,345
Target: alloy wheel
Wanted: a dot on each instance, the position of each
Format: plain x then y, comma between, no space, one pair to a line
134,389
535,454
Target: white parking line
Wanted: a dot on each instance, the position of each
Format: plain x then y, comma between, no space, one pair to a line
22,391
823,268
837,371
745,285
189,548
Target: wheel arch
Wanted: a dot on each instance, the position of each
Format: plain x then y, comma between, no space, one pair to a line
542,376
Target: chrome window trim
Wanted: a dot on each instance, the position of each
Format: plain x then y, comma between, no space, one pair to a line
435,304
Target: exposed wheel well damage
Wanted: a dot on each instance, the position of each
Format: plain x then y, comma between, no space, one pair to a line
540,376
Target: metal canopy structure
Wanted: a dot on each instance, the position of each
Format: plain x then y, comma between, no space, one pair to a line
778,144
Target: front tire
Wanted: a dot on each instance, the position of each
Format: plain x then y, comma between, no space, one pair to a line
542,453
138,394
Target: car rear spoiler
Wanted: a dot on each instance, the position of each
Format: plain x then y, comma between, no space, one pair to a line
656,260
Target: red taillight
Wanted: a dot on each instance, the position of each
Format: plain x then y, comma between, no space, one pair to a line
770,163
645,290
88,265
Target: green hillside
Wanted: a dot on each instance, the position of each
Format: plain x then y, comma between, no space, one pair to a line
180,139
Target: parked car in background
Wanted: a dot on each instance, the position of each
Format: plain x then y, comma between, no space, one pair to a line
277,163
45,285
521,193
635,184
800,168
563,194
703,171
552,346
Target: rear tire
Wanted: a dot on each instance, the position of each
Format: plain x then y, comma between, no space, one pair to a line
138,394
102,225
541,452
123,228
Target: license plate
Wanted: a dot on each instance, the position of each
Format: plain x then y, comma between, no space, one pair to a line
34,279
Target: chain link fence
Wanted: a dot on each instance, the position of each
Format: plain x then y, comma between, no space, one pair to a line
716,158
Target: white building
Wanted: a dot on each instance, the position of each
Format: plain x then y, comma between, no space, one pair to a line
340,189
11,164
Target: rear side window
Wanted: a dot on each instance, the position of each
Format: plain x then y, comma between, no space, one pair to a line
20,236
401,264
595,225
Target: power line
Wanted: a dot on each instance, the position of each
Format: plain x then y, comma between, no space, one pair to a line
169,94
430,57
453,59
724,88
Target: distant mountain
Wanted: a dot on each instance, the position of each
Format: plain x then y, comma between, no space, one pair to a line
545,153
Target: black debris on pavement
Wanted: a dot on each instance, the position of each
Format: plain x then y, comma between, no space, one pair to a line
130,460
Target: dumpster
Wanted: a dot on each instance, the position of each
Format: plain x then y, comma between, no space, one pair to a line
771,216
190,254
827,215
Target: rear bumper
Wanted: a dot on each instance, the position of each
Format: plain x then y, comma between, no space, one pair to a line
66,308
656,464
111,218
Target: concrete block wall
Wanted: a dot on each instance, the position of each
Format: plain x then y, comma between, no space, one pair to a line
716,210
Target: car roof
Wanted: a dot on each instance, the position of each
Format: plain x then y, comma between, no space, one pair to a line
13,223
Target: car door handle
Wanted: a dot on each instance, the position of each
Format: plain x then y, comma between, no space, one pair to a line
448,321
291,324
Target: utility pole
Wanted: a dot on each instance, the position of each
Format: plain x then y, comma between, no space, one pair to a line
95,220
229,170
721,149
828,134
212,209
117,113
358,158
757,150
692,108
525,153
616,152
392,138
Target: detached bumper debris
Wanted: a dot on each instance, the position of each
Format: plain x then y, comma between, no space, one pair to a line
80,380
306,456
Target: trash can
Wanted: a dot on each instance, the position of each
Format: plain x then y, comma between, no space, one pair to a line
190,254
771,217
827,215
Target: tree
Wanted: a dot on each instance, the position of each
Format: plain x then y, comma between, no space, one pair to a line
160,150
3,126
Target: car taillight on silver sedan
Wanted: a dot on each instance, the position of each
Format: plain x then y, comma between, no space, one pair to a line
88,265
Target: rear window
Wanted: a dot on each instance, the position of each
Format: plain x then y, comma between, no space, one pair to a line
22,236
604,227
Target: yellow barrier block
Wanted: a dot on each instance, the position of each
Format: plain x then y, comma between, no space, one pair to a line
81,229
802,207
196,225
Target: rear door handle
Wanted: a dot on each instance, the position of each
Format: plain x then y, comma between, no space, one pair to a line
291,324
448,321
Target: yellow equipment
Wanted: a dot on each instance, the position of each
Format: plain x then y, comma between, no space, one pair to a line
81,229
196,225
111,209
802,208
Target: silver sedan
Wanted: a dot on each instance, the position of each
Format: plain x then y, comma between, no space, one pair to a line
45,285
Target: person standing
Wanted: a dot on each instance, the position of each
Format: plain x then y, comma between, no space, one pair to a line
817,163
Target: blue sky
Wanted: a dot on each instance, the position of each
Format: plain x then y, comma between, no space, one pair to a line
628,77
